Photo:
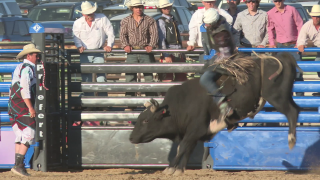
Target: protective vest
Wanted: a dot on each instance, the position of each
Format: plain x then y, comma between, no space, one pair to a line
172,32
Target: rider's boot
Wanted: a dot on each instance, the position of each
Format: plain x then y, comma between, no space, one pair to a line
225,110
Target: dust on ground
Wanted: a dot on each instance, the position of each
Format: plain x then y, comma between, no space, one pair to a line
143,174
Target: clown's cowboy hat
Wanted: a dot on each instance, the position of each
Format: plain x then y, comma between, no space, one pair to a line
88,8
315,11
164,3
27,49
134,3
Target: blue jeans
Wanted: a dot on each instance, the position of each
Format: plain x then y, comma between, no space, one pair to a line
86,77
132,77
207,80
297,57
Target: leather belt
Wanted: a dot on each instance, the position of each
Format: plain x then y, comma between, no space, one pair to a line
137,47
289,43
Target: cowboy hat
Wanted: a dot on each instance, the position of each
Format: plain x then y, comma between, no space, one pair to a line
27,49
134,3
315,11
164,3
211,16
88,8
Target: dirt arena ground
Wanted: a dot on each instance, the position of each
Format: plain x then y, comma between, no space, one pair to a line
132,174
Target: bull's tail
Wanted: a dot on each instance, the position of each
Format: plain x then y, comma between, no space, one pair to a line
294,62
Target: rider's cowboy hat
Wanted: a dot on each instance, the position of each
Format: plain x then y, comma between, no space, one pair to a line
134,3
164,3
27,49
88,8
315,11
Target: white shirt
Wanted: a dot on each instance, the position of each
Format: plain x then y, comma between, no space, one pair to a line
93,37
309,31
197,20
27,79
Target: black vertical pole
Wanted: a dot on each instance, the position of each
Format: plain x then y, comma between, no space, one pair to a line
40,162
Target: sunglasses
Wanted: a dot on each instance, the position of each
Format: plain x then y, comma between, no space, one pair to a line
169,7
277,0
250,2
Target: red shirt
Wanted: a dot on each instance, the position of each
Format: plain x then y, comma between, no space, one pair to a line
287,25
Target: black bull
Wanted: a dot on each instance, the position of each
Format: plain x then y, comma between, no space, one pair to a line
186,111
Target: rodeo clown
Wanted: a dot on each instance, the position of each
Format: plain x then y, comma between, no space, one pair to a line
169,38
21,105
220,39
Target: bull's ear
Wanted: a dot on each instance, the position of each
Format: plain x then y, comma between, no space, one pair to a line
154,102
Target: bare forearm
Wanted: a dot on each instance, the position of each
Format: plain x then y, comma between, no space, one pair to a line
28,103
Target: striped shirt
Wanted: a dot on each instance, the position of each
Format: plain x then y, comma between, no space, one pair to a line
142,33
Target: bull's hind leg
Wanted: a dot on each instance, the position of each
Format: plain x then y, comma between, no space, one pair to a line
291,110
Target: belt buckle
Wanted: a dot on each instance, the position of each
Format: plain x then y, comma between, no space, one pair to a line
137,47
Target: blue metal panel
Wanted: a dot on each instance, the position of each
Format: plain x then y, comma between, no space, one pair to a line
265,149
5,86
274,117
309,66
306,86
10,51
28,155
4,117
302,101
6,128
8,67
4,101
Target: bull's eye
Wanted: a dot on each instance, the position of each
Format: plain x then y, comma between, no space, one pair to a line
145,121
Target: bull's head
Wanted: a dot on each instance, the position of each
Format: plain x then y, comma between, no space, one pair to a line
149,123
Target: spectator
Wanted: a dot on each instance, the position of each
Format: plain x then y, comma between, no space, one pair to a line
285,21
233,10
169,38
310,30
197,20
138,31
90,32
21,105
253,24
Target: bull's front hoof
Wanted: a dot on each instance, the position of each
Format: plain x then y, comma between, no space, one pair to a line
169,170
178,172
291,141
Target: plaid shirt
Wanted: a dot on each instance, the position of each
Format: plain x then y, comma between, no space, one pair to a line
141,34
